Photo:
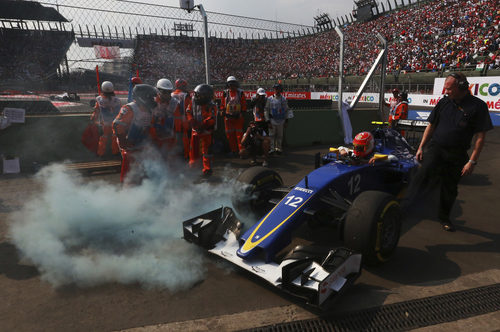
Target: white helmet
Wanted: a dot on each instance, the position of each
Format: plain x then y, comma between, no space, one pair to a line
107,87
231,79
261,91
164,84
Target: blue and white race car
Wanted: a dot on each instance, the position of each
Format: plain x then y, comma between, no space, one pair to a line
360,199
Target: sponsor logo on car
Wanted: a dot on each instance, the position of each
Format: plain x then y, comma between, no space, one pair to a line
308,191
258,269
226,253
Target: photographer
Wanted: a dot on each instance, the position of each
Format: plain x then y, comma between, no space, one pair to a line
258,105
255,142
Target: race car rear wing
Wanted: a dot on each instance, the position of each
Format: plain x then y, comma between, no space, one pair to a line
406,124
412,130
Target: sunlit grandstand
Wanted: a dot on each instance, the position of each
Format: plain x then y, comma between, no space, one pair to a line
161,41
421,38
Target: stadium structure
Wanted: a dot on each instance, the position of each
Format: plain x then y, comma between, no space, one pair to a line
58,46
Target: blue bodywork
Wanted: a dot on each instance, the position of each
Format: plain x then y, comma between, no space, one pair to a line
340,179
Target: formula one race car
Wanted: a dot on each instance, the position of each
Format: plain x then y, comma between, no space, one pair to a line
66,96
359,199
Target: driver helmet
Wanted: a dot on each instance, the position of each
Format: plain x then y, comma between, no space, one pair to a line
145,95
363,144
203,94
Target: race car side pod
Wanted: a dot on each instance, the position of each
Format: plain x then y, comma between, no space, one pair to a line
209,228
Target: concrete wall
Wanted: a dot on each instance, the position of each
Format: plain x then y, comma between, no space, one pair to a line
44,139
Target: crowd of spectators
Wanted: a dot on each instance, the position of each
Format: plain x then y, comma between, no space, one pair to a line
172,57
31,55
423,37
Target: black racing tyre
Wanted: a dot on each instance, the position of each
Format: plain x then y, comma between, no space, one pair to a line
372,226
253,189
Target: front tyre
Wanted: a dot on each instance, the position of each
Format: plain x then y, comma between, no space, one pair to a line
253,190
372,226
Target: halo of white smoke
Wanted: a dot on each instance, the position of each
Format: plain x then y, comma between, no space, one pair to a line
93,232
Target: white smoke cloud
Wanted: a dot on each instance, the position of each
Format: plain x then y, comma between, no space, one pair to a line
92,232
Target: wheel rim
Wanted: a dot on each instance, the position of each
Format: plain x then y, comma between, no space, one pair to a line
389,236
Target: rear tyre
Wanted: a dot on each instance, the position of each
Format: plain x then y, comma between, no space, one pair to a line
372,226
253,190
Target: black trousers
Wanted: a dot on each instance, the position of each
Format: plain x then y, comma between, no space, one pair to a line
441,169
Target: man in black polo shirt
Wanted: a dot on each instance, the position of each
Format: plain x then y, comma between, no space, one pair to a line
454,121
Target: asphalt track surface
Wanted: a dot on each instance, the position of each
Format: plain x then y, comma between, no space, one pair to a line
428,261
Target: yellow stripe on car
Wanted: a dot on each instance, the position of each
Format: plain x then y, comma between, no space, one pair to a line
249,245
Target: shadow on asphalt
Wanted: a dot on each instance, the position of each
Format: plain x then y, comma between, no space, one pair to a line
476,179
411,266
490,245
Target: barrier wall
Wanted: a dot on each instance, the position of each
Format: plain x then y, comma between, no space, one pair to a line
54,138
45,138
31,106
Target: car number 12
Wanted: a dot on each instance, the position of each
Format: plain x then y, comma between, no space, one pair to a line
293,201
353,183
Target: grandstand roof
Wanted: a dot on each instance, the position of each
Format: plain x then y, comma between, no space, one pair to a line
29,10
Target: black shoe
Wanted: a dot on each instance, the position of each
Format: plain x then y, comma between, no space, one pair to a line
253,163
448,226
207,173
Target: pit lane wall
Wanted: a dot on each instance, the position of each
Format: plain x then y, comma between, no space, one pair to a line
43,139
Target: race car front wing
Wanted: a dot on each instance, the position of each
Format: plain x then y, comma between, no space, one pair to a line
314,278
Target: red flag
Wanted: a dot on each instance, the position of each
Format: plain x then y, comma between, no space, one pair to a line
107,52
90,137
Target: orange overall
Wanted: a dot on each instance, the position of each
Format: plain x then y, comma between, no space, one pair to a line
202,121
162,124
181,125
131,126
233,103
105,111
399,112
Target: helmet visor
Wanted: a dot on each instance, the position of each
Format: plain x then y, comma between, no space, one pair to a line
359,148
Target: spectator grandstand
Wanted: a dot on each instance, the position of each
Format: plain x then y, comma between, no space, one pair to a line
427,36
423,36
31,55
